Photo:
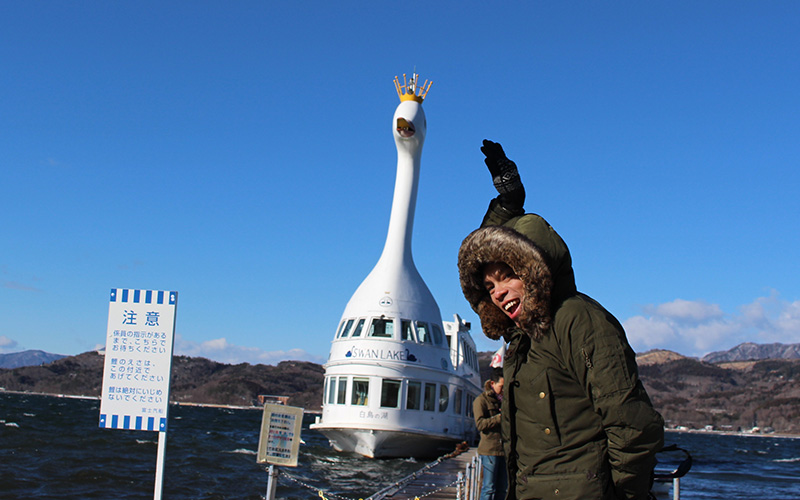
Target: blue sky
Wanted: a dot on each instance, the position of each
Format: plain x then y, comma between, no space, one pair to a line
241,154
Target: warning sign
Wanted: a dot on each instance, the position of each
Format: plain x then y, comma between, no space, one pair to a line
279,442
138,359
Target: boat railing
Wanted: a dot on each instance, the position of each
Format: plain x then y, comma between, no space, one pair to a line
663,478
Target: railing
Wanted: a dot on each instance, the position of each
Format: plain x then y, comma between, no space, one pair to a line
662,479
471,480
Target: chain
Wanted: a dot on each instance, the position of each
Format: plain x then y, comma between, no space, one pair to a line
322,494
436,490
331,496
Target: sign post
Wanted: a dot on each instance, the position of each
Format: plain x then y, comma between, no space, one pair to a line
138,364
279,441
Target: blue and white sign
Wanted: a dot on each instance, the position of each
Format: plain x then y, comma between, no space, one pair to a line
138,359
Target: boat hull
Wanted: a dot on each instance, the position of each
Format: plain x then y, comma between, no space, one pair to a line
375,443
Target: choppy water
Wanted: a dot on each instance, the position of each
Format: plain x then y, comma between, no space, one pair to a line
53,448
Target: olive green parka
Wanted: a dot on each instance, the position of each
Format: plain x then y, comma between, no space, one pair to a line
576,420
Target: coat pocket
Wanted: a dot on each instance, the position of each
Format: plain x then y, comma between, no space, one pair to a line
564,487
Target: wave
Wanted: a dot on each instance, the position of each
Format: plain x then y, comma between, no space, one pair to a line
787,460
242,451
746,451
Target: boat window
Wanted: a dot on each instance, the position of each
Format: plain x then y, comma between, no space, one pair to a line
382,327
359,327
332,391
406,332
457,401
390,393
413,396
422,332
346,329
429,404
444,397
339,330
437,334
360,393
342,392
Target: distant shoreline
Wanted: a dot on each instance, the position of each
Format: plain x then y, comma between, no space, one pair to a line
782,435
176,403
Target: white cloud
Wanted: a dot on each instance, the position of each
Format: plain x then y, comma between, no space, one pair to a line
650,332
713,336
685,310
7,344
695,328
222,351
789,320
15,285
776,320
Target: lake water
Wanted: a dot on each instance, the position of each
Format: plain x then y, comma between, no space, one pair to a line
53,448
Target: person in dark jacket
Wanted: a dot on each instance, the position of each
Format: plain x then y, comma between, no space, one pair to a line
576,420
486,409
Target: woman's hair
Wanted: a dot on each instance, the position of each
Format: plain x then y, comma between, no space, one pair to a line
494,377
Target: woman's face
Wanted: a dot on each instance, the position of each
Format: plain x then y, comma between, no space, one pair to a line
505,288
498,386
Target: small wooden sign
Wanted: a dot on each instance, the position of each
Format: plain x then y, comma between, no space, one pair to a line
279,442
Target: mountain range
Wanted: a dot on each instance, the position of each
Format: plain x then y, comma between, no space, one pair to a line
732,394
749,351
742,352
27,358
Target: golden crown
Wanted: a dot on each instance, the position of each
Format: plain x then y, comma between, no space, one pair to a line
410,90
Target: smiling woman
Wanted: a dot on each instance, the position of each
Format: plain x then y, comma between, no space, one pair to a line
506,290
572,396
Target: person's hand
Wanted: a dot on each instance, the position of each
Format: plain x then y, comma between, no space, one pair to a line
505,176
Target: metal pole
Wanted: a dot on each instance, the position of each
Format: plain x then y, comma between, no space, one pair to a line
162,448
471,479
476,474
272,482
473,483
676,488
459,485
467,481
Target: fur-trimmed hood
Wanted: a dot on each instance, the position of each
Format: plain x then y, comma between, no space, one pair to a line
538,256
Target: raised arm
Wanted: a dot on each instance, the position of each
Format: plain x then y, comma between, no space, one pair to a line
505,177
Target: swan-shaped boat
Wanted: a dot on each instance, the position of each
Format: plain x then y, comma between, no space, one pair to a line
400,382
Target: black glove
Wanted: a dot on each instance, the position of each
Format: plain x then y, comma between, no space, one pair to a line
504,175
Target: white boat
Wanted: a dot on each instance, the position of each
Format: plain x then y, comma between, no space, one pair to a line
400,382
389,397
